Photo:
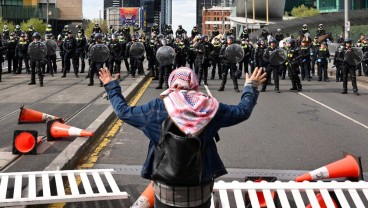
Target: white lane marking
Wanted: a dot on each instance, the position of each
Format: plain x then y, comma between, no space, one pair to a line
341,114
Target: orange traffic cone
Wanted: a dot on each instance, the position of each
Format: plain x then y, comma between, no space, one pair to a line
25,142
55,129
322,202
349,167
27,115
147,198
260,195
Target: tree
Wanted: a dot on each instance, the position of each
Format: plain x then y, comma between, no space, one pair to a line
10,25
38,25
303,11
91,25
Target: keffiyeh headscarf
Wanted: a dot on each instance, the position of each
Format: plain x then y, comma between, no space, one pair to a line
189,109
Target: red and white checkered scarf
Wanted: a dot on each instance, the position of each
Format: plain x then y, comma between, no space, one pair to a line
189,109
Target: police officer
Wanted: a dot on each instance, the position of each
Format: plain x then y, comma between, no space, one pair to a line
51,59
339,63
18,31
258,54
365,57
215,57
111,30
305,62
181,53
123,41
69,47
2,51
313,53
202,62
136,28
48,29
65,30
271,67
36,63
226,65
151,56
168,30
304,29
230,32
80,52
349,69
323,57
30,32
60,43
283,66
80,29
21,52
10,54
191,54
95,66
245,62
136,63
320,30
164,70
215,32
5,32
116,53
96,29
279,36
195,31
264,33
155,28
293,57
126,29
244,35
180,31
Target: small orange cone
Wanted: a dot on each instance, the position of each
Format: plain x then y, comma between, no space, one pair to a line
322,202
25,142
147,198
55,129
349,166
27,115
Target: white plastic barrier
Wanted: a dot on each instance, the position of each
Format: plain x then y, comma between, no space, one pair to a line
310,189
68,178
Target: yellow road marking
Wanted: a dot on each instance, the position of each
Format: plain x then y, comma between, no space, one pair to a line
89,160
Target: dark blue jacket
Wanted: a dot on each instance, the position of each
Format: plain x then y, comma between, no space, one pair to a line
149,118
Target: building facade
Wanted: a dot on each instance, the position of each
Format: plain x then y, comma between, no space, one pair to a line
207,4
111,3
214,17
165,14
326,6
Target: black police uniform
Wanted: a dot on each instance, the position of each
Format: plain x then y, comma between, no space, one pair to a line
96,30
293,67
80,52
2,51
51,64
305,62
155,29
264,34
11,57
69,47
116,54
215,33
48,31
314,46
279,37
216,61
135,62
151,57
271,69
191,55
320,32
365,59
21,52
258,56
168,31
339,63
36,67
30,33
194,32
349,69
62,52
164,70
94,67
245,62
180,32
244,35
181,54
202,62
226,65
323,56
123,42
18,32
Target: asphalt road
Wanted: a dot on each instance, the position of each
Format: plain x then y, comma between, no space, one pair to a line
287,134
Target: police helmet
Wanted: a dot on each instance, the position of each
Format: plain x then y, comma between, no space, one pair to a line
215,27
80,31
272,40
48,36
96,25
155,25
66,26
49,26
169,26
305,25
17,27
195,26
348,40
245,29
5,26
230,37
292,42
98,36
278,30
31,26
136,25
180,26
12,34
36,35
69,32
320,25
315,37
78,26
23,35
134,36
204,37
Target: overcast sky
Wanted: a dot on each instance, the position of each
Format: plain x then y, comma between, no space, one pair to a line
183,12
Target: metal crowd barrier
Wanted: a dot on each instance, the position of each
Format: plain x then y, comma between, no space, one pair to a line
11,185
347,194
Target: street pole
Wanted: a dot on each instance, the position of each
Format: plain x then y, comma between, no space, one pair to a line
347,25
254,12
47,11
267,10
246,14
223,21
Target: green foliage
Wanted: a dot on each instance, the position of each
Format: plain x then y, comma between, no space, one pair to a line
11,25
303,11
91,25
38,25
